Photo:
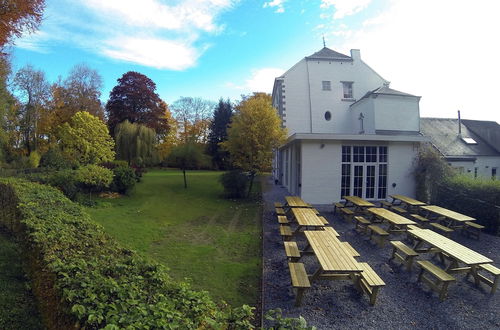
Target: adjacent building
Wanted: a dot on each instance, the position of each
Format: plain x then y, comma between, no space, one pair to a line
349,133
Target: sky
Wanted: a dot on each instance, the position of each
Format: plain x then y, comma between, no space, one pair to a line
446,51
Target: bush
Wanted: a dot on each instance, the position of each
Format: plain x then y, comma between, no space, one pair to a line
124,179
34,159
478,198
93,178
83,279
66,181
54,159
235,183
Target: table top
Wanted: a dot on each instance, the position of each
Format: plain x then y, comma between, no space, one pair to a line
391,216
295,201
450,247
333,256
358,201
408,200
447,213
306,217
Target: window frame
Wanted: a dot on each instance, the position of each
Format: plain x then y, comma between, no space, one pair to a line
349,87
326,85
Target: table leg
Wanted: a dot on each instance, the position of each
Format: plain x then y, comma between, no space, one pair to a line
316,274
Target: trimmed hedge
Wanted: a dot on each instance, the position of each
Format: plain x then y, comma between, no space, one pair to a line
478,198
84,279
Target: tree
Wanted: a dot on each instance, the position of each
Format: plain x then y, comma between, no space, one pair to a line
34,93
18,17
192,115
135,99
135,143
86,139
94,177
218,134
254,132
187,156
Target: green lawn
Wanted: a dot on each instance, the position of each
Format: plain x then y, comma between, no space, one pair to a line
17,304
195,232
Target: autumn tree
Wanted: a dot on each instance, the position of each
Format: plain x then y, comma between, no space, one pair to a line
218,134
85,138
254,132
187,156
18,17
33,91
135,143
193,118
135,99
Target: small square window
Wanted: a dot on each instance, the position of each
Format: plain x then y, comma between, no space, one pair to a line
327,85
347,86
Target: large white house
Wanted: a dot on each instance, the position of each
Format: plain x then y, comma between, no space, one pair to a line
348,132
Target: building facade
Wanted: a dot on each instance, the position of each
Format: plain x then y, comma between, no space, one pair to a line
348,132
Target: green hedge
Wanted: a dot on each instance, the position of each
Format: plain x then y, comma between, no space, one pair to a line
478,198
84,279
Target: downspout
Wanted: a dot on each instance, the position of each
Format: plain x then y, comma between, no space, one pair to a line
310,105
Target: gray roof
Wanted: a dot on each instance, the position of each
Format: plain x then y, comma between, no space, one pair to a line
489,131
328,54
384,90
443,133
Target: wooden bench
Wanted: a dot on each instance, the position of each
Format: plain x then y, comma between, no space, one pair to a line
315,211
380,234
292,251
279,211
351,250
323,219
278,204
300,280
404,253
370,282
398,209
332,230
443,229
285,232
385,204
347,213
443,279
472,229
491,270
361,223
282,220
337,206
422,220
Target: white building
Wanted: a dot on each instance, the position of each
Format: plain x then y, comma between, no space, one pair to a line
470,146
349,133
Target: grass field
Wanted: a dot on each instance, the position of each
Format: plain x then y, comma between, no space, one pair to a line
212,241
17,304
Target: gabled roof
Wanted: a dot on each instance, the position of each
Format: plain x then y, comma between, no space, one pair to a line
328,54
384,90
443,133
489,131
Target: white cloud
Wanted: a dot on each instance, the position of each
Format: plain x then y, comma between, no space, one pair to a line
146,32
276,3
446,51
345,7
260,80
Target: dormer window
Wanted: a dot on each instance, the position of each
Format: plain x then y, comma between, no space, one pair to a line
347,87
327,85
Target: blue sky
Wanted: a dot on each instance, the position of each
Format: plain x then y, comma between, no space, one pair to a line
446,51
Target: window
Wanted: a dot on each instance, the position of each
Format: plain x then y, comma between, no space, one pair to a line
358,154
475,172
328,116
345,180
347,86
382,181
346,154
371,154
327,85
494,173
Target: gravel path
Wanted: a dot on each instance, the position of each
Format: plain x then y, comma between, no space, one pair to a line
402,303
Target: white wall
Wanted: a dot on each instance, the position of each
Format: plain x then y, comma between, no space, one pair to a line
366,107
484,165
397,113
401,157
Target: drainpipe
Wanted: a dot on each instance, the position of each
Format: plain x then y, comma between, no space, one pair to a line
459,125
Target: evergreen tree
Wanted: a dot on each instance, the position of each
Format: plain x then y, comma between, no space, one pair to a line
218,133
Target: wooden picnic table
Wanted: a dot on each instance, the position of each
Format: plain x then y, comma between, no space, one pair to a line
335,259
410,202
306,218
396,221
295,201
359,203
452,216
458,253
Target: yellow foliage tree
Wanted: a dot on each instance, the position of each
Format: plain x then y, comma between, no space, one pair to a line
254,132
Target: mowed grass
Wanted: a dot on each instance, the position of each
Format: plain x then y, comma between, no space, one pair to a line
197,234
17,304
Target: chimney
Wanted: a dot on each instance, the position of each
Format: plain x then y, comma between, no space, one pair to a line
355,54
459,124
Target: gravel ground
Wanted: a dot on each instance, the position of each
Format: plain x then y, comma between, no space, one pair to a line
401,304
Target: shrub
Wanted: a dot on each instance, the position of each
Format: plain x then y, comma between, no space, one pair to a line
54,159
124,179
478,198
83,279
66,181
235,183
93,178
34,159
279,322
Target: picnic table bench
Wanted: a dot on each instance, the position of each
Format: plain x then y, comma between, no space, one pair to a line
358,203
397,223
406,202
451,218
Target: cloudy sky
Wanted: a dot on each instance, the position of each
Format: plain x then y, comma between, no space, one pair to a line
446,51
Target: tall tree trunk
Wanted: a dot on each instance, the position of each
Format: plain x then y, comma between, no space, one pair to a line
252,176
185,182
